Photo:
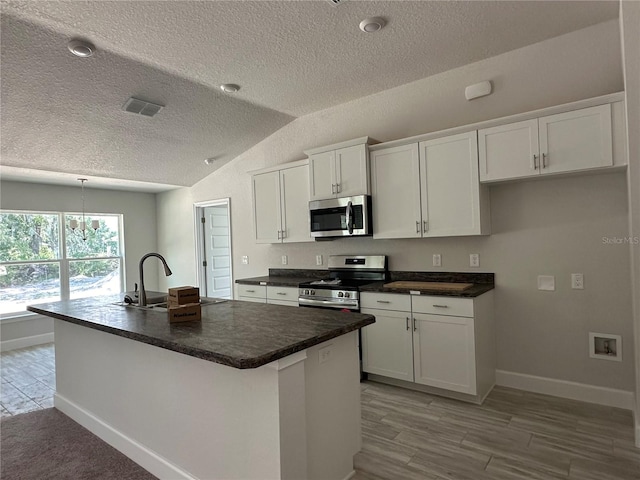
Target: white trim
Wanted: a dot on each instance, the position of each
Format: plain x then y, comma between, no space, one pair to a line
24,342
562,388
351,475
143,456
566,107
7,318
280,166
348,143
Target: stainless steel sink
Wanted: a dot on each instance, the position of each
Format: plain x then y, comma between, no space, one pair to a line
162,306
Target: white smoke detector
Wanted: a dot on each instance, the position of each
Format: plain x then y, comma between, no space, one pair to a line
478,90
81,48
373,24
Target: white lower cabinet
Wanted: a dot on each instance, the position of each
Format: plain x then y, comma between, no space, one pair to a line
252,293
442,342
287,296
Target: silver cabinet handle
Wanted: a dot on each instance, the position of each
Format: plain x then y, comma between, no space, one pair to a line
338,188
333,188
383,301
441,306
283,234
425,224
407,323
417,226
279,234
415,325
280,293
535,161
250,291
544,160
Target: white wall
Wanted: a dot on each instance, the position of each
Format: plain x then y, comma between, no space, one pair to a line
139,217
630,21
544,227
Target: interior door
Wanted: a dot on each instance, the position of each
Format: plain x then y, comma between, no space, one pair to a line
217,244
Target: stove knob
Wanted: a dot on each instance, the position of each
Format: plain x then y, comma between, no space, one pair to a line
306,292
340,294
312,292
347,294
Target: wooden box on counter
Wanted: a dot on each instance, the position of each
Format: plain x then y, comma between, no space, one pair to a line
183,295
185,313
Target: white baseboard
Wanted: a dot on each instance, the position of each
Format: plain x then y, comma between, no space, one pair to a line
24,342
143,456
610,397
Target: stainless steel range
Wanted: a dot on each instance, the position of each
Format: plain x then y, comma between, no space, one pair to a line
341,289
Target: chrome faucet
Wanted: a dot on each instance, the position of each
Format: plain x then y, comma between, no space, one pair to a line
142,297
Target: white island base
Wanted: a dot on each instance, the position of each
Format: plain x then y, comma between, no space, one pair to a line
181,417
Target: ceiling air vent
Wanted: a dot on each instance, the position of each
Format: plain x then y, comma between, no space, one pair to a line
135,105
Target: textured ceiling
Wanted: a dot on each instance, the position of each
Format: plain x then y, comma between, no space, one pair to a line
63,114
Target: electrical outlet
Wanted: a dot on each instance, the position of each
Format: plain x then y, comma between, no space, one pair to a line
437,260
318,259
577,281
245,260
474,260
285,260
324,354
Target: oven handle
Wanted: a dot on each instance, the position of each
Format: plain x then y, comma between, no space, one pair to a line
326,303
349,215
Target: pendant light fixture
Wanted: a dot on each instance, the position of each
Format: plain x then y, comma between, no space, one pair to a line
73,224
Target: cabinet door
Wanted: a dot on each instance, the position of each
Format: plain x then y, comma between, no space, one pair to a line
509,151
294,190
282,294
352,171
266,207
444,352
322,177
386,345
450,190
396,192
576,140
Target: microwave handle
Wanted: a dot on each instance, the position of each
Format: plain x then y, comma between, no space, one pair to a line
349,214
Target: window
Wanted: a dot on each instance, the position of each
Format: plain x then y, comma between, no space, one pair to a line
43,260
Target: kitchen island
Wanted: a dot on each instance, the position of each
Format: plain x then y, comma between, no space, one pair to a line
251,391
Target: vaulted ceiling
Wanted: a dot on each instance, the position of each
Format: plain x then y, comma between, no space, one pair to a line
62,116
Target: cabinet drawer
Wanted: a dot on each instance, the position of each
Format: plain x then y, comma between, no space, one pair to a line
254,291
386,301
289,294
285,303
459,307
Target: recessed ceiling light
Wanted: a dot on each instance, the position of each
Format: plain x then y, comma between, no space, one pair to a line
229,87
81,48
373,24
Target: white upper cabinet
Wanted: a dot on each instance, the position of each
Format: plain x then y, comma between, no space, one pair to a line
429,189
396,192
565,142
450,187
280,205
341,170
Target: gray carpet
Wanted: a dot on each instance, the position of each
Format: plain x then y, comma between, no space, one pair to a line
46,444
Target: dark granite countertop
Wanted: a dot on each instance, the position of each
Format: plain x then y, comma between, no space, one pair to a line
477,289
234,333
285,277
482,283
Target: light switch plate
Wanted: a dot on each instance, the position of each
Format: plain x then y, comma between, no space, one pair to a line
546,282
437,260
285,259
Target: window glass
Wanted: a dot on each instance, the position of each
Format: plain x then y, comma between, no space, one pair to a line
29,236
88,278
103,242
28,283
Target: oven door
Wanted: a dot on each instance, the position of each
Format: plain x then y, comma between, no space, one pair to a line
340,217
338,304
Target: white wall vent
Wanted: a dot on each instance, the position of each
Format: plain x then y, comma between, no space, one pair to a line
135,105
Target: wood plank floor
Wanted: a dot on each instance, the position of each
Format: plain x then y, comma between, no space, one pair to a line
412,435
513,435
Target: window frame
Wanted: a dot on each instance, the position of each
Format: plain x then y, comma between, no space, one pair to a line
63,260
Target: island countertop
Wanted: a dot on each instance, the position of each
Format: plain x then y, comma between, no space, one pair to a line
233,333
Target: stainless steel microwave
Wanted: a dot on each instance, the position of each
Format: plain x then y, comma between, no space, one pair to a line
341,217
